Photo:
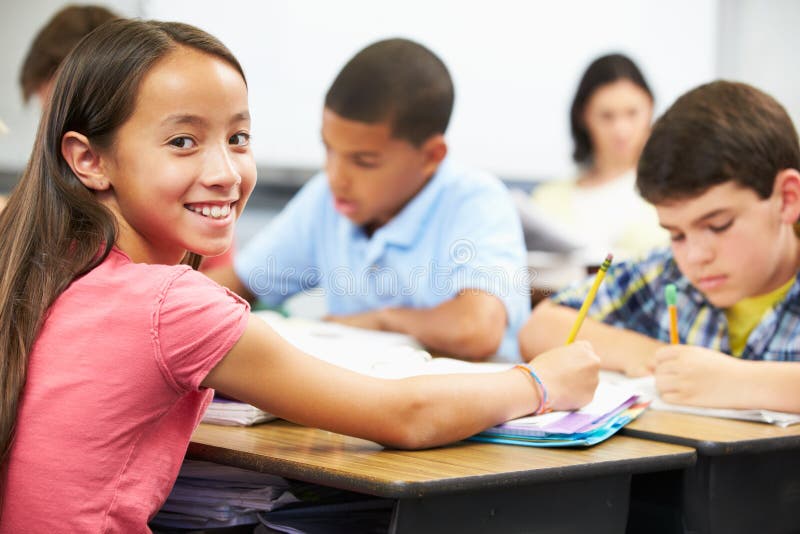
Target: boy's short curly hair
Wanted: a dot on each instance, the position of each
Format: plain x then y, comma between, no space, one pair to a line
399,81
719,132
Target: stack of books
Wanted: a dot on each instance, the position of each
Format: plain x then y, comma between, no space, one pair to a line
208,495
228,412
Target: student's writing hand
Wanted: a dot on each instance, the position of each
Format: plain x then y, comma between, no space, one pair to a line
371,320
570,373
700,377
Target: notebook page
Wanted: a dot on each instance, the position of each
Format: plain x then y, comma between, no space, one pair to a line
646,386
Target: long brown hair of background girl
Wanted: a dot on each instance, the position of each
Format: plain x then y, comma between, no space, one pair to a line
53,230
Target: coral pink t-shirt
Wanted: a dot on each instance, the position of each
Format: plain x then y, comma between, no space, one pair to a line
113,395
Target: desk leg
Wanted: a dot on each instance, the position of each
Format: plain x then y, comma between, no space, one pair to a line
743,493
597,505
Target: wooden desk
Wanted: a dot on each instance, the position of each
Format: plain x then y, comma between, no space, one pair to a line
465,487
746,479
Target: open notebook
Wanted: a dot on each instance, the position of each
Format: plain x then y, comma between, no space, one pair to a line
356,349
646,387
363,351
394,356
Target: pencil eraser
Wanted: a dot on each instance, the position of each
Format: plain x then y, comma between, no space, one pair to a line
671,293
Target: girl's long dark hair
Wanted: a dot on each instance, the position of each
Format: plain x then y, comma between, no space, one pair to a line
602,71
53,229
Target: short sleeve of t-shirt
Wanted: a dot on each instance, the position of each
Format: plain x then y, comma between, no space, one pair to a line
195,324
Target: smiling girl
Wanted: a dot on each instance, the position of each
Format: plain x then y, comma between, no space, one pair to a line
110,346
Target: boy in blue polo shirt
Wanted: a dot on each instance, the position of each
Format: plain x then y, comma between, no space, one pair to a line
400,237
721,167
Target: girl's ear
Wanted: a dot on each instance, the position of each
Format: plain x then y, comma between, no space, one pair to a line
84,161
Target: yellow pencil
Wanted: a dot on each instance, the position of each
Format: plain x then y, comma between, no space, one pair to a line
587,303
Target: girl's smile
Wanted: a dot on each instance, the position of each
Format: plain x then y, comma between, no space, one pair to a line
181,168
218,211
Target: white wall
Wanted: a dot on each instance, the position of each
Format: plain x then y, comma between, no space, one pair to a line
515,63
757,41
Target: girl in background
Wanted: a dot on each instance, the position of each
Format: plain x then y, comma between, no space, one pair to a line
610,122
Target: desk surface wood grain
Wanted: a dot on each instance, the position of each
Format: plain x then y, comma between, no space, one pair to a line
712,435
322,457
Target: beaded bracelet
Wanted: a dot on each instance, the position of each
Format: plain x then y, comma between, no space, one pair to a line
544,403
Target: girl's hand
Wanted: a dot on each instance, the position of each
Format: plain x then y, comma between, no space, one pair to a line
570,374
700,377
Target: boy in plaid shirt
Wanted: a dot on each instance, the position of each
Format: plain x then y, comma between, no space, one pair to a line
721,167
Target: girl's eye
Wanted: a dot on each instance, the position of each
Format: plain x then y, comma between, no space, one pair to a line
240,139
676,238
182,142
722,228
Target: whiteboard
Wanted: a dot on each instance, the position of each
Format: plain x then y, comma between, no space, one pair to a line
515,64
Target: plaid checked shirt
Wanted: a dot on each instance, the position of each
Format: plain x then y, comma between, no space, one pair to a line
632,297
